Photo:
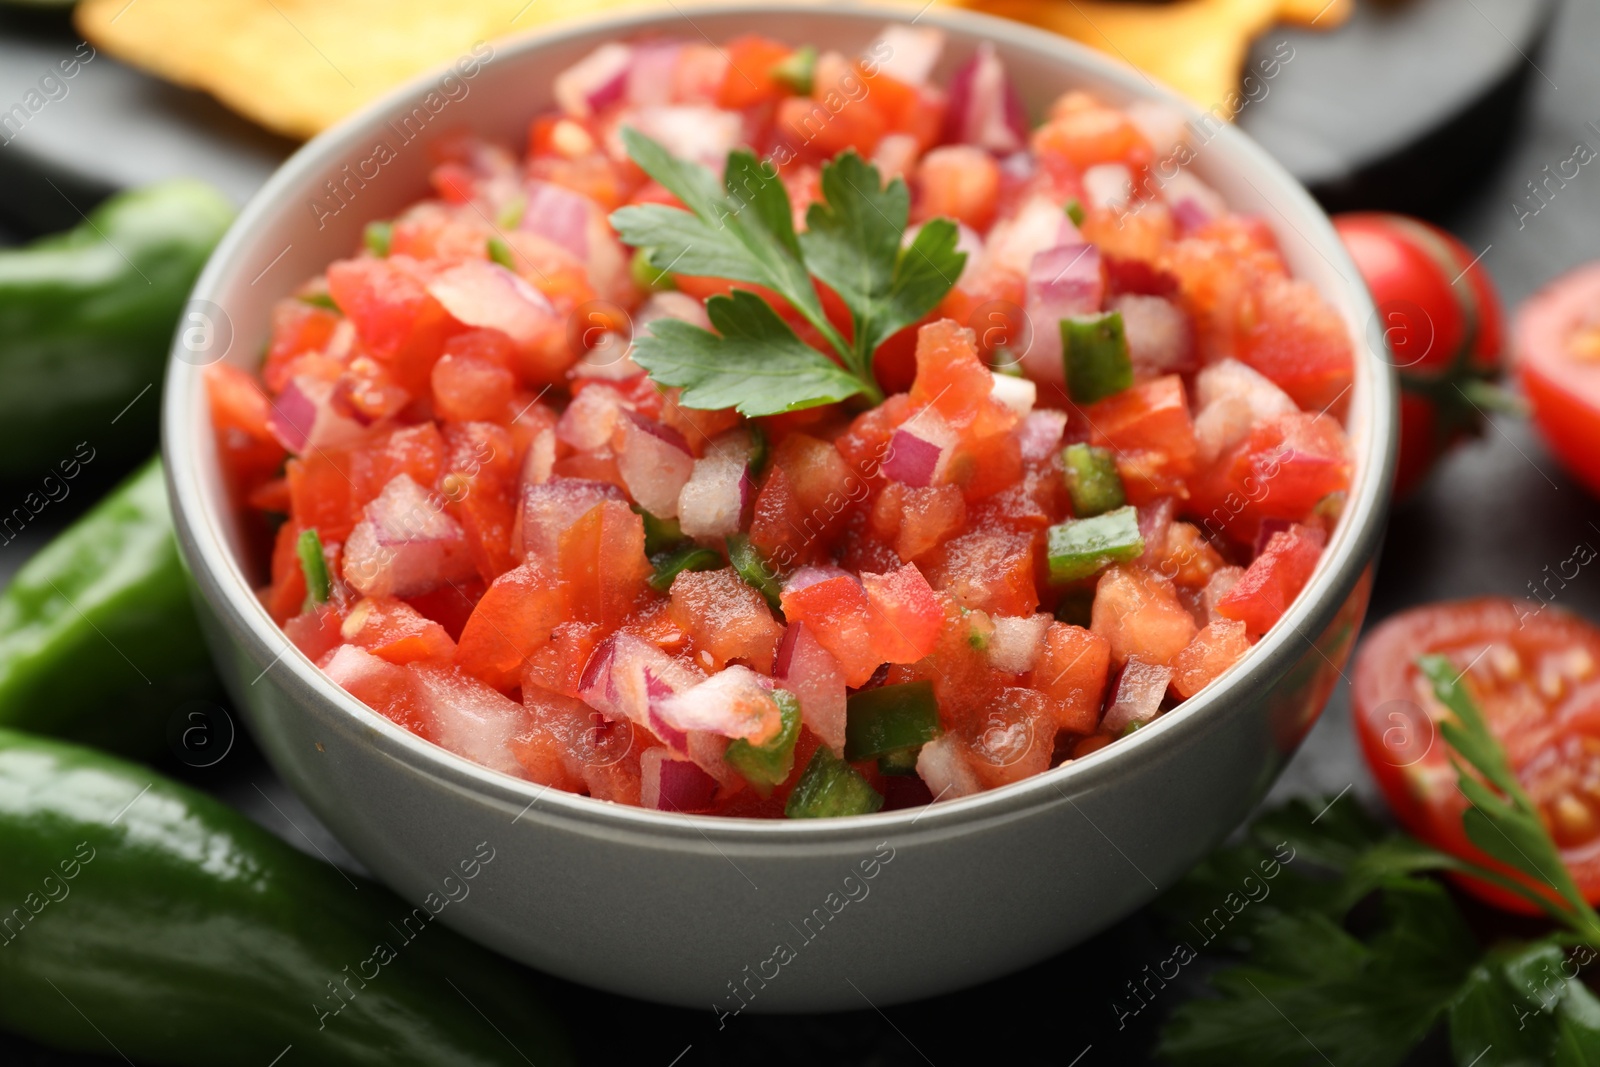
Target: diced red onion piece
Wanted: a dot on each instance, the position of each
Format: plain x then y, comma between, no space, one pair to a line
695,131
712,501
810,672
650,78
671,783
653,465
1014,646
550,508
734,703
1154,520
627,676
540,461
985,109
303,417
671,305
1160,338
1039,225
595,82
1018,394
1140,690
1231,399
811,573
1062,282
1193,202
1163,125
1040,433
477,292
1107,185
591,417
896,155
942,765
406,544
473,720
906,53
560,216
912,460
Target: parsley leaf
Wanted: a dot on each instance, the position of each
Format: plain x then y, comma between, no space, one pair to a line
852,243
754,362
742,229
1524,1005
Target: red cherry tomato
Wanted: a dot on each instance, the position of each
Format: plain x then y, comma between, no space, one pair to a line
1535,672
1441,317
1557,353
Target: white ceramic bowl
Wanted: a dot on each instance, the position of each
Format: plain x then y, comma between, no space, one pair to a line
781,916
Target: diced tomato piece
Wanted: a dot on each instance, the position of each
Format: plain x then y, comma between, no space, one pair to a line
748,80
909,615
391,691
1149,428
918,520
988,571
320,493
1276,577
813,128
1188,558
1300,342
1139,612
298,327
395,631
838,614
1213,650
393,314
985,466
450,605
558,666
955,382
1014,738
865,445
1281,471
803,501
287,593
1071,673
601,561
1085,133
416,451
473,378
367,392
315,632
512,621
251,455
725,618
960,182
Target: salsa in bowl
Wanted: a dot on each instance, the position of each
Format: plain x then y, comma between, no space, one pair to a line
662,904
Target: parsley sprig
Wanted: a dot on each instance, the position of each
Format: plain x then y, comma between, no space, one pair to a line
742,229
1359,961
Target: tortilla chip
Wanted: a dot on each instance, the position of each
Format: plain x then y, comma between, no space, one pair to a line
1198,47
298,66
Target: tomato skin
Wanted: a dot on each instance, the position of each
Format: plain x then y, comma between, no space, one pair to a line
1494,639
1563,386
1441,317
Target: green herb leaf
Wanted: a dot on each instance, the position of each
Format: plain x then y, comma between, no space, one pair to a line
1524,1004
798,70
852,243
1502,821
754,362
314,565
377,236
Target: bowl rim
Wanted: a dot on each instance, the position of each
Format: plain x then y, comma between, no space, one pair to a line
1354,542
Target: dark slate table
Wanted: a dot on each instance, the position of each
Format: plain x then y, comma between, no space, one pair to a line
1446,110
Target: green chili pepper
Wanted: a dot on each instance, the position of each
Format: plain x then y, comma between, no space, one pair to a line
750,565
830,787
98,638
660,535
1075,212
1081,548
1092,480
500,252
688,558
764,766
646,276
889,718
1095,351
86,320
798,71
511,215
314,565
377,236
140,914
901,761
758,450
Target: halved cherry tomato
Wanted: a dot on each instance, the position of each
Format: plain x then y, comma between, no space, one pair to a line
1535,672
1557,353
1441,317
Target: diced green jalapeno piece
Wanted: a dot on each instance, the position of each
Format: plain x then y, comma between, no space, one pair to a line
319,300
889,718
1075,212
500,252
799,70
659,534
673,563
648,277
377,236
901,762
1094,349
314,565
758,450
1092,480
764,766
511,214
1082,548
830,787
750,565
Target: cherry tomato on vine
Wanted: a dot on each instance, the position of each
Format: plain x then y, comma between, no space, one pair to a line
1556,350
1441,317
1534,670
